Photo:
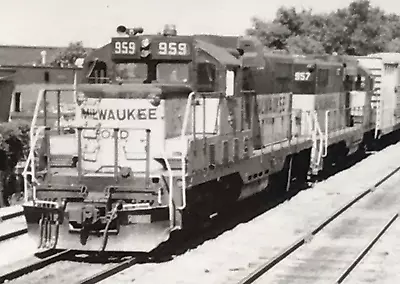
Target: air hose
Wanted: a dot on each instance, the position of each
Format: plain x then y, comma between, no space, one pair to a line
113,214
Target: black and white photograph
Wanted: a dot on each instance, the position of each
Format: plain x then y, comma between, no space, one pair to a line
199,142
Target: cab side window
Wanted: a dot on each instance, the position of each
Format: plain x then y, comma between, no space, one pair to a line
360,85
206,77
348,83
248,80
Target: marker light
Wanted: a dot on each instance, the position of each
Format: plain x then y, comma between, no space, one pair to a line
145,42
80,98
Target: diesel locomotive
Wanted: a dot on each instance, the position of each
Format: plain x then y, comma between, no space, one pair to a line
171,129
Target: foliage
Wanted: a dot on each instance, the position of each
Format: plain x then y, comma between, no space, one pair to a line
14,140
358,29
70,54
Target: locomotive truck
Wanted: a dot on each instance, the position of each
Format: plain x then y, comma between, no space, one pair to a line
171,129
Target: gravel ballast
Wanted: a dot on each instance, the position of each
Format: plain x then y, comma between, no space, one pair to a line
239,251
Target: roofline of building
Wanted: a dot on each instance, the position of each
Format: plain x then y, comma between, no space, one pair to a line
39,66
38,46
31,46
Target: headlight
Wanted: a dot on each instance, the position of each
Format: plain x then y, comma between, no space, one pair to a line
155,100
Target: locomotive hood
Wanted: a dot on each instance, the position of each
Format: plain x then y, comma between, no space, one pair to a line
127,91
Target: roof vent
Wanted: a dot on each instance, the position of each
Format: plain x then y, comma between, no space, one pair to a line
43,53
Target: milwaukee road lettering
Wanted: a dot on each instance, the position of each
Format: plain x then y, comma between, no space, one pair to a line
120,114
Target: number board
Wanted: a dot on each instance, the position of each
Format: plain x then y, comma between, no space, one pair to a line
125,47
174,48
302,76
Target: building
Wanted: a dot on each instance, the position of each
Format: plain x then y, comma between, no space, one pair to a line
32,73
6,90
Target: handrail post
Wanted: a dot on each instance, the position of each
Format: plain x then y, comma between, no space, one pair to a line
79,163
58,112
116,131
147,174
326,133
193,106
171,205
184,152
204,116
45,108
48,151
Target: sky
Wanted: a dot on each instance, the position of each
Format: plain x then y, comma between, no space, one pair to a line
58,22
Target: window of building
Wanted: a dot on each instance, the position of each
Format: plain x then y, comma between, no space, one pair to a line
17,102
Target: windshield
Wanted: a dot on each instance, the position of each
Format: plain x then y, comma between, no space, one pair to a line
172,72
131,71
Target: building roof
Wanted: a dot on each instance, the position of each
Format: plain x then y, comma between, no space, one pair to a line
26,55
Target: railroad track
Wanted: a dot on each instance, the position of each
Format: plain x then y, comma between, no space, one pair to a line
177,247
6,221
50,257
41,260
105,271
330,253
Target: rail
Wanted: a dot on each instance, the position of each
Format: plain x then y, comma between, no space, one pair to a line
364,251
100,276
13,234
10,216
52,258
251,278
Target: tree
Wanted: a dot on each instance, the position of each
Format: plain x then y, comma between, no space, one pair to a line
272,35
69,55
358,29
14,143
393,45
304,45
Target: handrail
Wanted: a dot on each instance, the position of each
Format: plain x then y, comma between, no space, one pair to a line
185,150
36,111
34,135
171,192
319,131
326,136
379,109
30,162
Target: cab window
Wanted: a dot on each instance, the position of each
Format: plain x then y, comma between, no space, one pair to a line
172,73
131,71
206,74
